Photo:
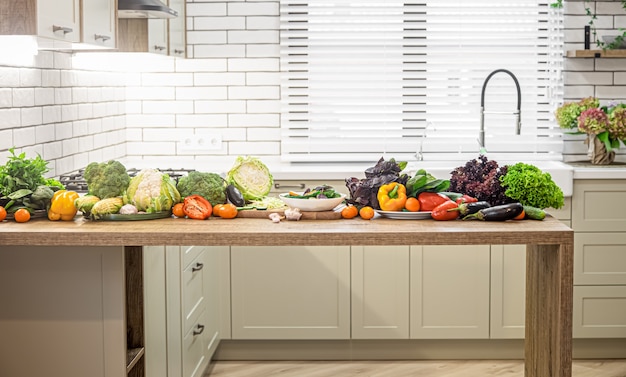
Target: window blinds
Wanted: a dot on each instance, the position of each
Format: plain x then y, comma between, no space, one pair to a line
361,79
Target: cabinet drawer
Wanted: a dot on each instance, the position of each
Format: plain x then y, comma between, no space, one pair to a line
599,205
192,292
599,258
188,254
194,360
599,312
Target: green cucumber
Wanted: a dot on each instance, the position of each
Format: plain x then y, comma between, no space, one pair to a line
534,213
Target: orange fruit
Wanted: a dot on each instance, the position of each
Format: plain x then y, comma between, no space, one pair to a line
177,210
3,213
22,215
412,204
228,211
217,208
366,212
349,212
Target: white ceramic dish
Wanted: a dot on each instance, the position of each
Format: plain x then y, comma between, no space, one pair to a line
401,215
312,205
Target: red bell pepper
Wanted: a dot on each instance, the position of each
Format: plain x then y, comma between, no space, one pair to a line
197,207
466,199
445,211
430,200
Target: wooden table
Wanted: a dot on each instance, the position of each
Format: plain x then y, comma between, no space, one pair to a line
549,260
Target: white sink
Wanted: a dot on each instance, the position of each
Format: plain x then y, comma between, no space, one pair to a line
561,173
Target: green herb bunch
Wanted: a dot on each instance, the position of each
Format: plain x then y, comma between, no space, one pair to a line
20,172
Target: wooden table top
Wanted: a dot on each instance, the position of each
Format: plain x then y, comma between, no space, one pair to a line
263,232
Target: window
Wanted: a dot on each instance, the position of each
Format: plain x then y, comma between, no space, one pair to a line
361,79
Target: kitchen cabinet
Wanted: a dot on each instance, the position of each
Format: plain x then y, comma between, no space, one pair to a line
290,292
380,292
64,308
177,30
99,23
449,292
182,309
53,20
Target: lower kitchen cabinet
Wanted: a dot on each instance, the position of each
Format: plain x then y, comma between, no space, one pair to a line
599,312
182,308
296,292
508,291
449,292
380,292
62,311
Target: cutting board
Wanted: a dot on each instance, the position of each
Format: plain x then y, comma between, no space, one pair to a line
263,214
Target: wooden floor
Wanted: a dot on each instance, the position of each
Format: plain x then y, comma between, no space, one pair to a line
444,368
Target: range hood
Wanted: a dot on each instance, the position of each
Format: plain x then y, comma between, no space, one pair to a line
144,9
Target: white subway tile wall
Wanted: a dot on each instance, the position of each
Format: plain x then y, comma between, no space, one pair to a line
228,87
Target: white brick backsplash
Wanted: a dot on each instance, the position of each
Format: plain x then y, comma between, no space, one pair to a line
201,120
69,112
44,134
94,126
31,116
152,148
263,51
611,93
85,111
253,92
253,36
23,135
619,78
80,95
219,51
6,97
150,120
6,140
253,9
201,65
168,107
206,9
579,64
65,130
611,65
132,107
619,23
167,79
222,78
579,91
9,118
258,148
253,65
62,95
207,37
219,23
9,77
51,114
609,7
161,134
134,134
150,93
263,134
94,94
219,107
253,120
263,78
51,78
30,77
23,97
589,78
263,106
44,96
70,146
260,23
201,93
52,150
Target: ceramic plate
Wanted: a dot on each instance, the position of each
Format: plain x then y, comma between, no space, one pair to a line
136,216
312,205
400,215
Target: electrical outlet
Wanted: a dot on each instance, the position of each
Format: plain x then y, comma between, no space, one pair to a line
205,142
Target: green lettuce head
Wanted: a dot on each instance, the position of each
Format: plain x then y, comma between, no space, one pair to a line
251,177
152,191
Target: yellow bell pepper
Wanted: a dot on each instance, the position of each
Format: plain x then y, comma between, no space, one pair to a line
62,205
392,196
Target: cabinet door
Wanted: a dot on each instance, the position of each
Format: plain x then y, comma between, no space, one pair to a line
157,36
599,312
450,292
99,22
600,258
292,292
155,310
59,19
177,29
62,311
211,318
380,292
508,291
599,205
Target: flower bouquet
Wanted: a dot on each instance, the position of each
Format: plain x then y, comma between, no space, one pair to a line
604,125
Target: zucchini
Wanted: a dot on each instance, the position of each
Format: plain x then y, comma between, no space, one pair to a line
502,212
534,213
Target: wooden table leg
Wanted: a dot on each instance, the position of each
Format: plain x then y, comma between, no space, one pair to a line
549,289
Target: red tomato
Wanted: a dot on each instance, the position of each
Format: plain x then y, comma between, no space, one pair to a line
197,207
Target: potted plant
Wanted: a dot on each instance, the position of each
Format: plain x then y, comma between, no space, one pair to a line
605,126
608,42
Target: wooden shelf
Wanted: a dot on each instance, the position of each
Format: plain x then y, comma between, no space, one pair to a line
596,54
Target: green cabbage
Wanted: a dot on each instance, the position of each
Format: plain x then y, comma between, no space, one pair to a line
152,191
251,177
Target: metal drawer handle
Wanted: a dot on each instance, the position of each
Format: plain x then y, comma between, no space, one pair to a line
101,36
300,186
199,329
178,51
64,29
197,267
159,48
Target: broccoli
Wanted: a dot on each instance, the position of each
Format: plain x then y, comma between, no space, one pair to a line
211,186
106,179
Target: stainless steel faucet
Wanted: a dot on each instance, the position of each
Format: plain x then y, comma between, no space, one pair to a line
517,113
420,155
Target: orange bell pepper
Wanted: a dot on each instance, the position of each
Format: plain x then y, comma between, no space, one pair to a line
392,196
62,205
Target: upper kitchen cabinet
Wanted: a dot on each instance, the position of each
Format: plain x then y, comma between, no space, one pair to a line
152,26
57,22
99,26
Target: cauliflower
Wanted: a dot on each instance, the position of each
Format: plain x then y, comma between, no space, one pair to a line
107,179
210,186
152,191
